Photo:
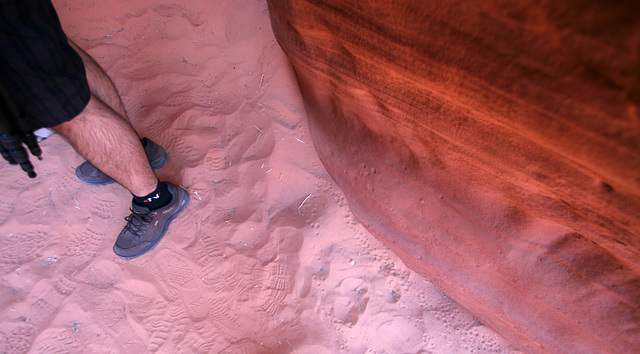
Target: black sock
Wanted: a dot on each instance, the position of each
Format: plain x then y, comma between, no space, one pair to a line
156,199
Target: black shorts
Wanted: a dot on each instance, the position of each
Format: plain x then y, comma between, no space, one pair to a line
44,73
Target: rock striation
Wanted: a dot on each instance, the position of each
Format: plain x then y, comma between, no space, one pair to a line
494,146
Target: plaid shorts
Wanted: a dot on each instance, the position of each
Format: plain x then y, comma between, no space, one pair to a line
46,76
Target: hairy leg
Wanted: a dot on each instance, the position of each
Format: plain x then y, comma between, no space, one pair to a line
103,134
100,84
107,140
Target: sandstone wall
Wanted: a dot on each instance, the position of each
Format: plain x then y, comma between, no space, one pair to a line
494,146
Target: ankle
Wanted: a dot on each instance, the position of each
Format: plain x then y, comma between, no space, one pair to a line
156,199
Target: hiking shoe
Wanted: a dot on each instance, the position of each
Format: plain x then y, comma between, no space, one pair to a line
146,227
90,174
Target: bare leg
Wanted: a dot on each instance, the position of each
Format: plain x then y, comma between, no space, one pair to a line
100,84
107,140
103,134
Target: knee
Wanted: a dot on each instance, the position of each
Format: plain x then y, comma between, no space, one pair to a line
65,129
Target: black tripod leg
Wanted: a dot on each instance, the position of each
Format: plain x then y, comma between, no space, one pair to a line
17,153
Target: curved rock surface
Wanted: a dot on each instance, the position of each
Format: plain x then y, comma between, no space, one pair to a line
494,146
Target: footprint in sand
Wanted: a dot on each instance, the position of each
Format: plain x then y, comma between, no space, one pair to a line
152,312
282,115
157,131
244,293
226,324
17,338
188,150
216,160
83,245
277,287
142,68
180,324
101,273
68,183
103,205
194,343
207,250
111,312
36,311
178,274
43,302
21,248
56,340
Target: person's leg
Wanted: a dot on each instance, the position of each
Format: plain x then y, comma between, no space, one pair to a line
104,90
100,84
107,140
103,134
88,113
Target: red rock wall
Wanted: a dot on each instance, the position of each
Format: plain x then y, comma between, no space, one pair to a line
494,146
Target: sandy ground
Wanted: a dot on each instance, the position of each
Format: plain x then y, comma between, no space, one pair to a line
267,256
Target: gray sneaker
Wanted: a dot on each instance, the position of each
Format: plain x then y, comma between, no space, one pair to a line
90,174
146,227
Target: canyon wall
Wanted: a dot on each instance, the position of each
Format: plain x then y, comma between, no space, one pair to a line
494,146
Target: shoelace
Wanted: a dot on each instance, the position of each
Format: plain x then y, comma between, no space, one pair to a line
137,223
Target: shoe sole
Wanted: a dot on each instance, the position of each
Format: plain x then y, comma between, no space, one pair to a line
156,164
183,204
